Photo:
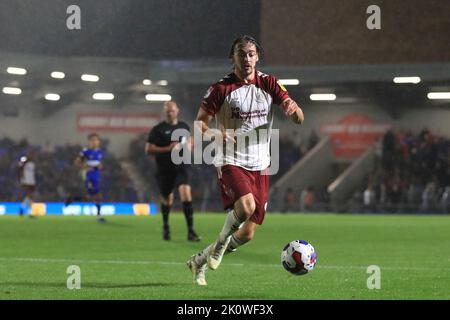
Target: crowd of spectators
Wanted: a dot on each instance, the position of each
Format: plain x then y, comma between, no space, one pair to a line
146,166
57,177
412,174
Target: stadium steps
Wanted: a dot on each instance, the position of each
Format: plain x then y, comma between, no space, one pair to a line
316,169
344,186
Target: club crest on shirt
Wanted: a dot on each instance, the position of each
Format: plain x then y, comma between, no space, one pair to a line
260,98
235,103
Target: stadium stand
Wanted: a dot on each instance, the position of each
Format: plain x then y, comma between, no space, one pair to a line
56,175
412,174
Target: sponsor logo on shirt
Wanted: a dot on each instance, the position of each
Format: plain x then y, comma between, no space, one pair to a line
236,113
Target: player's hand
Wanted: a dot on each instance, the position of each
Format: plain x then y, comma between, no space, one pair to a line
228,137
219,172
289,107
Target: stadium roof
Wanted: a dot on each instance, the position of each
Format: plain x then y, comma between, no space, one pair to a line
124,78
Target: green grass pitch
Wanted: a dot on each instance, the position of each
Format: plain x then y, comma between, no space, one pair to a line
126,258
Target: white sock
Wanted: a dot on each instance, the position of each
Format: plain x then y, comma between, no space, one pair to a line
200,258
232,223
234,244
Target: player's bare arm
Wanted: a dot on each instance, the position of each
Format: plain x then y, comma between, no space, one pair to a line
292,110
203,119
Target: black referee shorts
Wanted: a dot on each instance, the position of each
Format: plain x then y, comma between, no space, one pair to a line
170,179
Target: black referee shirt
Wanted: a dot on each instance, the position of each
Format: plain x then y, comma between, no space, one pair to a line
160,136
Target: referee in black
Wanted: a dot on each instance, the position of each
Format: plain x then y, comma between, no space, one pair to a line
168,174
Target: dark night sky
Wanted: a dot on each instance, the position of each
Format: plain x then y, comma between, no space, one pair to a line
155,29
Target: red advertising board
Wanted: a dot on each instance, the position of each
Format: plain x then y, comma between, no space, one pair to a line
116,122
352,135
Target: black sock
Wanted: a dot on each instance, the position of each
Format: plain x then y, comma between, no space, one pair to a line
98,205
165,213
188,214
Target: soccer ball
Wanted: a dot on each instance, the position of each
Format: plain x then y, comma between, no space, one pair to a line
298,257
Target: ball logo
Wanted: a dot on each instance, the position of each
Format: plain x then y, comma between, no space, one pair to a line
298,257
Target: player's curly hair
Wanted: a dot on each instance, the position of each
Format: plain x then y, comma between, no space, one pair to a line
245,39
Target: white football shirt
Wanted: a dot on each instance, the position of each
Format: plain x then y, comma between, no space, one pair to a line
28,177
245,108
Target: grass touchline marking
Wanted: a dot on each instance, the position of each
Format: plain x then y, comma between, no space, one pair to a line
147,262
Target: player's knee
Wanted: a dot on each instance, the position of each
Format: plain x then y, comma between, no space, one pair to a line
185,196
167,201
249,207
